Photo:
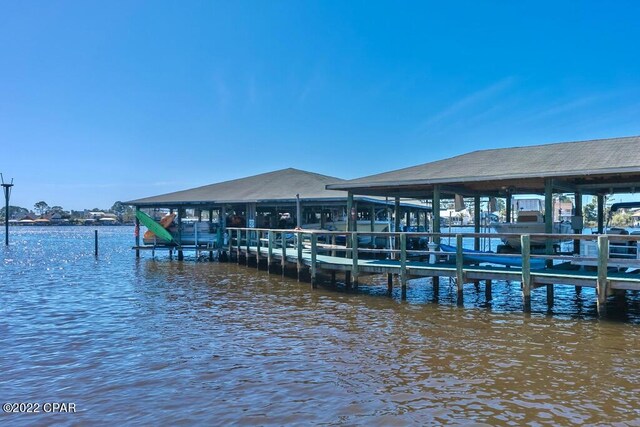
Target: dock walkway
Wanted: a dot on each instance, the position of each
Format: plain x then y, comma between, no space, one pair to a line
305,253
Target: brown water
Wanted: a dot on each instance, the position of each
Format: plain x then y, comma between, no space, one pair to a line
164,342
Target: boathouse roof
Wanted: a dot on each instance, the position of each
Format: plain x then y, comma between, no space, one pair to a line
279,186
591,167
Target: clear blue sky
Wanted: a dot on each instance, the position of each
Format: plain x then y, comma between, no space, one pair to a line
106,101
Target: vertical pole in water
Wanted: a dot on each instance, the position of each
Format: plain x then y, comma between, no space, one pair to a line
602,285
248,242
435,208
525,243
476,228
436,213
314,256
180,253
578,230
459,268
238,244
258,233
299,254
403,264
96,243
389,283
283,261
354,254
137,234
548,229
6,187
349,224
508,207
270,250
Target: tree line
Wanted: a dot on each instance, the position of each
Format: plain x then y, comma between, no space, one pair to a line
124,212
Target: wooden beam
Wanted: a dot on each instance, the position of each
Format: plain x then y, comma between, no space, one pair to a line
525,243
459,268
602,283
403,264
436,212
600,198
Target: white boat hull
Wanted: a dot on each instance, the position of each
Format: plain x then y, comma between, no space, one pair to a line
529,228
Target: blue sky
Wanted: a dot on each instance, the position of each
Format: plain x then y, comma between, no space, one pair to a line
106,101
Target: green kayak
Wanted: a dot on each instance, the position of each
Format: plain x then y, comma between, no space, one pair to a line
154,227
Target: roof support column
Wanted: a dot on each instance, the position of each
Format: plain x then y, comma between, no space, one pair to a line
577,222
436,212
476,221
180,253
509,213
548,213
349,211
396,214
600,213
373,220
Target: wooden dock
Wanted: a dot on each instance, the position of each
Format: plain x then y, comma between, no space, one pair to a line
305,250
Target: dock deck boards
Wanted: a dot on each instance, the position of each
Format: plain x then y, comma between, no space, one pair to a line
539,277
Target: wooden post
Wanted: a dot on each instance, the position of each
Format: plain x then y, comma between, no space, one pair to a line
436,287
299,254
333,243
602,285
508,201
283,261
403,264
314,256
238,244
487,290
248,242
459,267
373,222
270,251
476,221
577,213
396,214
525,242
548,229
347,279
258,232
436,213
354,258
349,225
600,214
180,253
96,243
136,233
389,283
333,277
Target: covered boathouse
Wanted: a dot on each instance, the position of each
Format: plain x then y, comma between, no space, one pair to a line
595,167
282,199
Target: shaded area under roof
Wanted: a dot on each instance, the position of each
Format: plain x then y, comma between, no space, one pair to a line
591,167
278,186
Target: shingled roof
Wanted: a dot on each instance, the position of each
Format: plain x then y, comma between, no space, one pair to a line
279,186
583,165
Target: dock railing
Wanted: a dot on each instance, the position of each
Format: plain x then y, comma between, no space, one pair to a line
407,252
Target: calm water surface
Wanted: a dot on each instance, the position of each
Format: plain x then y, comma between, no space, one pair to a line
153,342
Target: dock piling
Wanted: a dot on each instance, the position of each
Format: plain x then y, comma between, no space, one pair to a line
602,285
314,254
299,254
525,243
96,243
403,264
459,268
354,258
